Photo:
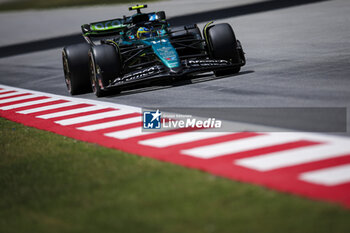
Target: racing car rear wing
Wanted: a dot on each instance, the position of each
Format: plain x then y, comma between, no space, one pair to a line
104,28
118,25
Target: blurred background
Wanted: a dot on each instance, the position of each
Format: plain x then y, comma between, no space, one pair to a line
40,4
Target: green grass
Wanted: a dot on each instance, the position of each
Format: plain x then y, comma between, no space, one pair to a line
50,183
44,4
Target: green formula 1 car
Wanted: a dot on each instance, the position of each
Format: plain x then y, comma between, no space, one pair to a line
142,48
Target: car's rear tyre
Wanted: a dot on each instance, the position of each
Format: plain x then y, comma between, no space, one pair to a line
222,44
76,68
105,66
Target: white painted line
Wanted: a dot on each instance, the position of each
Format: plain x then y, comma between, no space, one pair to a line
8,107
9,94
12,94
49,107
92,117
240,145
328,176
71,112
77,100
111,124
128,133
17,98
180,138
295,156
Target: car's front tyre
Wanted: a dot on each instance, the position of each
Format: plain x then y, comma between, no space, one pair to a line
222,44
104,67
75,62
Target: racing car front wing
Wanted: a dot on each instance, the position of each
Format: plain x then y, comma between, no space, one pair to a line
159,72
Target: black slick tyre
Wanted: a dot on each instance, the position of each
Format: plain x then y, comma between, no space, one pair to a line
222,44
104,67
76,68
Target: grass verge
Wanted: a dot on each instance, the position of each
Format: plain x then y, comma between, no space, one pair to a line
51,183
12,5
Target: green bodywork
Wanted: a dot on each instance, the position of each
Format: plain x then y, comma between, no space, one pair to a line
125,34
109,26
163,49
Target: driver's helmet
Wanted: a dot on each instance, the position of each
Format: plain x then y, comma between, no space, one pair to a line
143,32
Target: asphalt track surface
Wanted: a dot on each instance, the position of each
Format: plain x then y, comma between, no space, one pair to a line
298,55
